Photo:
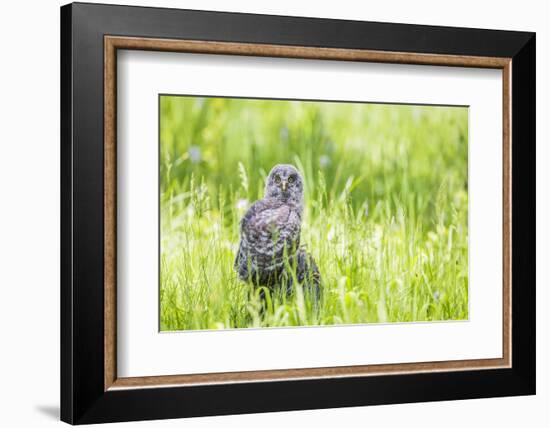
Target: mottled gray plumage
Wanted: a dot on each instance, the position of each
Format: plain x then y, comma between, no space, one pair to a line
270,236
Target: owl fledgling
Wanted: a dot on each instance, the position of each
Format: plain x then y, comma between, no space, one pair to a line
269,252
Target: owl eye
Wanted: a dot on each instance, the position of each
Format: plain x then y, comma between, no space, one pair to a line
291,179
277,179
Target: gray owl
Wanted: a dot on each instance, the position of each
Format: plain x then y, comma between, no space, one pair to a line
270,237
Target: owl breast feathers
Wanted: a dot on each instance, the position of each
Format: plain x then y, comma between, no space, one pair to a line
270,236
269,231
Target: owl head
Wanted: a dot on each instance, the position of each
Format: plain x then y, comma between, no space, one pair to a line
286,183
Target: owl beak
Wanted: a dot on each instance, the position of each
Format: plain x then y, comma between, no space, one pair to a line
283,186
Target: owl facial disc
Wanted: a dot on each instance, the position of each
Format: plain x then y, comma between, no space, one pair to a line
285,183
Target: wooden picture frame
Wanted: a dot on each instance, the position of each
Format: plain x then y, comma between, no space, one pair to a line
91,391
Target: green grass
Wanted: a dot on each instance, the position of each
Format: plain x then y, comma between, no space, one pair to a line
386,209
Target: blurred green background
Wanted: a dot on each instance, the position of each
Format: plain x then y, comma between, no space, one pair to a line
386,208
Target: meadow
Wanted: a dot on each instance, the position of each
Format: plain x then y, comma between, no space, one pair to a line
386,209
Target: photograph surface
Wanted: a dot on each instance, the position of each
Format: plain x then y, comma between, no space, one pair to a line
287,213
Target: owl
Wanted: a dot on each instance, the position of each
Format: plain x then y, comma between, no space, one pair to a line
269,252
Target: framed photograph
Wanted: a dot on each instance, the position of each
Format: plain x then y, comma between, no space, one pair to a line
265,213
